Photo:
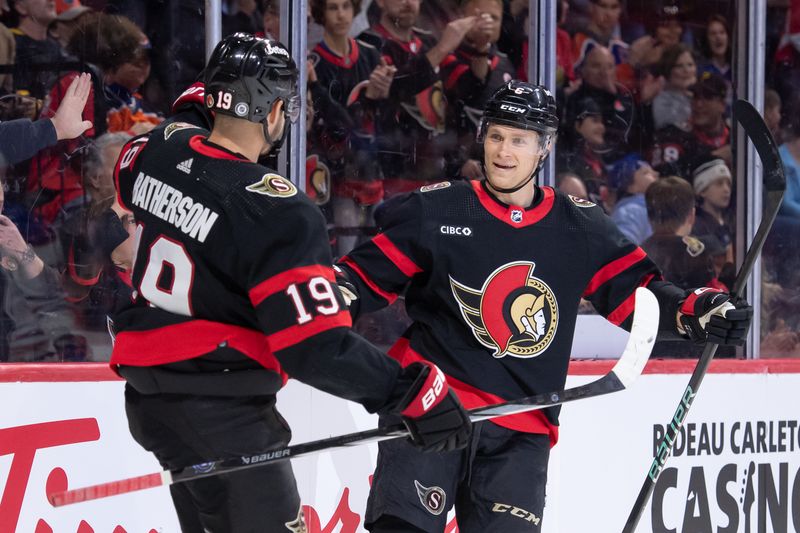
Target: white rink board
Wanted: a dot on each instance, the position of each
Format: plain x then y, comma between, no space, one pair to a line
596,470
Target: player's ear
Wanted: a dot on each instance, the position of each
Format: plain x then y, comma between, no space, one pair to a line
275,111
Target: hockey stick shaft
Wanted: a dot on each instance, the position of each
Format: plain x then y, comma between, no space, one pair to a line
627,369
774,186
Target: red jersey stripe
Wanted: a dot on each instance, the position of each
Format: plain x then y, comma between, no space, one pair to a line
281,281
296,334
388,296
187,340
612,269
452,79
393,253
624,310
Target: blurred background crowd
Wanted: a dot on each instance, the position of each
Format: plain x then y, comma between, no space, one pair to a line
395,92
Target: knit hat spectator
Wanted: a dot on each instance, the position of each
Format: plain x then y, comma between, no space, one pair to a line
623,171
708,172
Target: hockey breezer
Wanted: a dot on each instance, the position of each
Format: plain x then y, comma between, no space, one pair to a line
774,182
625,371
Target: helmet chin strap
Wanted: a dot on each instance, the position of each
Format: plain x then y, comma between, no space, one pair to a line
509,190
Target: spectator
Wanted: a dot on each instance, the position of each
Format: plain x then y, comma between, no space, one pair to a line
630,177
715,45
772,114
673,105
781,248
411,145
472,74
21,139
97,237
36,323
599,83
603,30
271,19
117,52
681,257
664,29
674,149
7,47
585,156
34,47
350,85
572,184
68,16
712,185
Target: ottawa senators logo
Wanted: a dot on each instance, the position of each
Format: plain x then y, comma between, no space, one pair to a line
514,313
429,108
273,185
318,180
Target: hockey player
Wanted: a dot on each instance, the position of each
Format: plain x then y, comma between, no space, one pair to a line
234,291
493,272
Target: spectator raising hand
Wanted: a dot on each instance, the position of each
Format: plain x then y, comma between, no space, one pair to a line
380,81
68,119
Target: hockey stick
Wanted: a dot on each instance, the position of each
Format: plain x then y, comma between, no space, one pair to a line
625,371
774,185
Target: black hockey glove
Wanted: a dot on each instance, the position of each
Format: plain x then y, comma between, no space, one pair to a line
346,287
432,412
708,315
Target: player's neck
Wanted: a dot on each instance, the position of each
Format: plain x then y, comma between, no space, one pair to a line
522,198
401,34
247,139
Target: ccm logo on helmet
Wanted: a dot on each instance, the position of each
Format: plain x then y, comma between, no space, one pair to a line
512,108
456,230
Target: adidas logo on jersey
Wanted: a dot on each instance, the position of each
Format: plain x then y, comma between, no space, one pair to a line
185,166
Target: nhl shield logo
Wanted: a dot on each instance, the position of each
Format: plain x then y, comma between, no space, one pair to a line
432,498
516,216
514,313
273,185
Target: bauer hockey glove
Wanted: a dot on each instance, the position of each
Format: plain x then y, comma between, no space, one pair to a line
709,315
432,412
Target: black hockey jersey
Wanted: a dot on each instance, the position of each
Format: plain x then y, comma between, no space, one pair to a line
233,279
410,140
493,290
345,139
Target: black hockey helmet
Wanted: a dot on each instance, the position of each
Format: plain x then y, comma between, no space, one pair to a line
521,105
246,75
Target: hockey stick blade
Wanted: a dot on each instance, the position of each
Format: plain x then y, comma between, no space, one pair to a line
774,183
626,370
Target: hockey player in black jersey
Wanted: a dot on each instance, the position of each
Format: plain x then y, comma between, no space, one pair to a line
493,273
234,292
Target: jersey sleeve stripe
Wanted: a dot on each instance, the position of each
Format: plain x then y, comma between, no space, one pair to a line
187,340
612,269
280,282
455,75
297,334
388,296
624,310
393,253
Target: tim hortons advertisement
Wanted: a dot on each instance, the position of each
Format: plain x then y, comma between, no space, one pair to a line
735,466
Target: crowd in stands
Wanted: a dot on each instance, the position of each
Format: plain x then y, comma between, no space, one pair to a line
395,93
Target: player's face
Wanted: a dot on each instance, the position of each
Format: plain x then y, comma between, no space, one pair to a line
718,194
338,17
401,13
510,155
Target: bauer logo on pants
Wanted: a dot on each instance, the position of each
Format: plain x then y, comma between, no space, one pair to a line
433,498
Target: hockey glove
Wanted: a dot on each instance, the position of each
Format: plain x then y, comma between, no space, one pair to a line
432,412
708,315
346,287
